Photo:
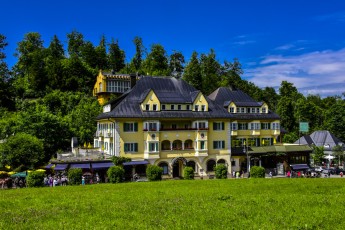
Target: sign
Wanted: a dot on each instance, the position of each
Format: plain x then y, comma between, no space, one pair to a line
304,127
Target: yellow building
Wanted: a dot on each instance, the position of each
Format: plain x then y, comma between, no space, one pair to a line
169,123
108,84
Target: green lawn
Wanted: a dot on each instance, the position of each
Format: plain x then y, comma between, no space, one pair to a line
178,204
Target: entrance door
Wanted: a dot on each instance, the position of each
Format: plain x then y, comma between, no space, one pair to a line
176,169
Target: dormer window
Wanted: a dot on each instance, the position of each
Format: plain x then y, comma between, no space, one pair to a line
263,110
163,107
252,110
257,110
179,107
232,110
187,107
243,110
196,108
172,107
147,108
154,107
203,108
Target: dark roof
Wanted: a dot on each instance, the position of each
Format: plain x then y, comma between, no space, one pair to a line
320,138
172,90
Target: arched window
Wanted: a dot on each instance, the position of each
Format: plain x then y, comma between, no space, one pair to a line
165,145
191,164
165,168
210,165
188,144
221,161
177,145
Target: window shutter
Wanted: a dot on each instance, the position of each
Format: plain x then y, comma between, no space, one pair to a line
135,147
214,144
223,144
136,127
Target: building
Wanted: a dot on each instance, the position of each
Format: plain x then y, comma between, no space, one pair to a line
325,139
169,123
109,83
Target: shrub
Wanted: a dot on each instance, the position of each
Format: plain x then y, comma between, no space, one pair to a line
257,172
188,173
74,176
154,173
35,179
221,171
3,175
118,161
115,174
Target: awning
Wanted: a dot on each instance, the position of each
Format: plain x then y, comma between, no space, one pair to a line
80,166
136,163
299,167
20,174
103,165
49,166
60,167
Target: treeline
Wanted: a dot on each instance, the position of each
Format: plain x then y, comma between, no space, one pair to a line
48,92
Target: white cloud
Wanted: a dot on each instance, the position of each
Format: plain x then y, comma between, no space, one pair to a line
321,72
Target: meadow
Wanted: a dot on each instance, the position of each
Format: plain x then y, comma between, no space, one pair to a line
179,204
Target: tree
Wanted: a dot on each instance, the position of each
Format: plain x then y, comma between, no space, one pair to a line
338,152
116,174
318,155
138,57
75,43
210,70
22,150
176,63
101,54
5,81
116,57
221,171
156,62
192,73
118,161
335,119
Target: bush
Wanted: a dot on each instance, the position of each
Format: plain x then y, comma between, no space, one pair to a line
118,161
115,174
257,172
221,171
188,173
74,176
35,179
3,175
154,173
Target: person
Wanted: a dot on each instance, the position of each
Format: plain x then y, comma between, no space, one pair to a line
288,174
341,174
233,173
299,174
135,177
270,174
97,179
83,180
55,182
237,174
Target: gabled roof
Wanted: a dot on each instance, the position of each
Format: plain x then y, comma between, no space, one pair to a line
320,138
168,90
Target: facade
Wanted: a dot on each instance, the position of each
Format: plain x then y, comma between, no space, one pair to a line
169,123
108,84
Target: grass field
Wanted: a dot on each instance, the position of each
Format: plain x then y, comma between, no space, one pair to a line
179,204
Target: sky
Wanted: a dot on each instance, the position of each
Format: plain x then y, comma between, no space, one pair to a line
302,42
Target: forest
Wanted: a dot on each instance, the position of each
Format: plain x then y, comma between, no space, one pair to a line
46,97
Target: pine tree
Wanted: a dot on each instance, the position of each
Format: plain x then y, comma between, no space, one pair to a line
192,72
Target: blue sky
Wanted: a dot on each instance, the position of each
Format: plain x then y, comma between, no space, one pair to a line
302,42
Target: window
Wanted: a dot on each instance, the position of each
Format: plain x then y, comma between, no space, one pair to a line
252,110
153,147
234,126
255,126
210,165
218,144
238,110
203,108
196,107
164,166
154,107
147,108
242,126
172,107
275,126
179,107
163,107
232,110
202,145
192,164
187,107
257,110
218,125
130,127
151,126
174,126
233,163
118,86
131,147
243,110
202,125
263,110
265,126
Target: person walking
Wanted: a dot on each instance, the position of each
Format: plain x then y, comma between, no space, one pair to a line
83,180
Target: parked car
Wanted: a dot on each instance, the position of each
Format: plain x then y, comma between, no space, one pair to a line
338,171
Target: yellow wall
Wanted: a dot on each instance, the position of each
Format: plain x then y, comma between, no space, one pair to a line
200,100
151,99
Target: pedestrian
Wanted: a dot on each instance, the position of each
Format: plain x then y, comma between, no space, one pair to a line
97,179
270,174
233,174
341,174
288,174
82,180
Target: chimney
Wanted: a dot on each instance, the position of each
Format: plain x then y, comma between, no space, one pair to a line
133,79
